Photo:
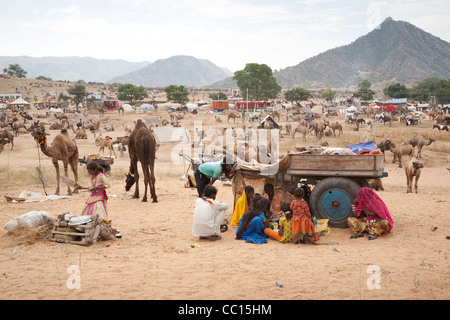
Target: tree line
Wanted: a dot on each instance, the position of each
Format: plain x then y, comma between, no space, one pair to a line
257,83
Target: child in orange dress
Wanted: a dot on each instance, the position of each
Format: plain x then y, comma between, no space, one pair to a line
302,227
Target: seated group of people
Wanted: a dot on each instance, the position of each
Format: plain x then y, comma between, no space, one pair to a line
254,213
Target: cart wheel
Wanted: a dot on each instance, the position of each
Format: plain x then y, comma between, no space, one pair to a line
332,199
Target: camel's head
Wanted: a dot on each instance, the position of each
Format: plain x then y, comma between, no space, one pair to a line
39,136
417,165
129,181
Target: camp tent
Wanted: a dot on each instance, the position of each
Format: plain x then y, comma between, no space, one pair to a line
389,108
20,102
127,107
352,109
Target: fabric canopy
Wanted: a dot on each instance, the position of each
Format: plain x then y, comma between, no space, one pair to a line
390,108
368,146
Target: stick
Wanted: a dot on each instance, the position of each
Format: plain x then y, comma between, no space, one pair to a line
42,179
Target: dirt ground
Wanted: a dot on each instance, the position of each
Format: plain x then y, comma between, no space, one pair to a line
158,258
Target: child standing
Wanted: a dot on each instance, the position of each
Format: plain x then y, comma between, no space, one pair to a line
302,227
285,223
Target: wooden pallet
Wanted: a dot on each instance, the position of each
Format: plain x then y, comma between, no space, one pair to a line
64,233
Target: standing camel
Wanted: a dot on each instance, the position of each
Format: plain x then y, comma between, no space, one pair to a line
233,116
63,149
142,148
419,142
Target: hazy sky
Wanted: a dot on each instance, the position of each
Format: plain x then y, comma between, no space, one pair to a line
229,33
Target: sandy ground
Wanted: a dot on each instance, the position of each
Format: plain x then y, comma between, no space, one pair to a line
155,259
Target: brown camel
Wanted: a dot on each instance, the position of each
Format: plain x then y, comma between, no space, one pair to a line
142,148
399,151
63,149
336,126
79,133
233,116
419,142
105,143
412,169
302,129
5,135
2,144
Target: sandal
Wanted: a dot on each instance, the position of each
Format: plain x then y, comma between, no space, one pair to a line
214,238
223,228
371,237
357,235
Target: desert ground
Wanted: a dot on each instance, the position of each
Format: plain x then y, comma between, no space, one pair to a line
158,258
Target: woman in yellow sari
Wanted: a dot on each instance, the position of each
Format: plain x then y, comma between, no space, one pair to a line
242,205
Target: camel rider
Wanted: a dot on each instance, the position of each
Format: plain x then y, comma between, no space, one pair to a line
208,172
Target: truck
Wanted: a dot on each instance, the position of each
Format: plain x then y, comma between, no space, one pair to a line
333,180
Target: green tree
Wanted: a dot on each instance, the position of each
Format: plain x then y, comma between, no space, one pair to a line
297,94
258,81
364,92
218,96
443,95
328,95
179,94
15,70
397,90
131,93
78,93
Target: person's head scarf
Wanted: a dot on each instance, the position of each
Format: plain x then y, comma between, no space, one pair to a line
263,205
369,200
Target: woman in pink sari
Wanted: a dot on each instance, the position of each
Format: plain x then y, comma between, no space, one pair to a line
372,215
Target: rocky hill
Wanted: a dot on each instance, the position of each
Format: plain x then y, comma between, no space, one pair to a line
396,51
177,70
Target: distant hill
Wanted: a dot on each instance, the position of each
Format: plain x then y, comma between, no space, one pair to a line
178,70
396,51
72,68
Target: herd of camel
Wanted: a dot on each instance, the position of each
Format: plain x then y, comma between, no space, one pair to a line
142,144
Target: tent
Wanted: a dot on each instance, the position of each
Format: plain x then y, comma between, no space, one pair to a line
389,108
351,109
170,134
127,107
20,102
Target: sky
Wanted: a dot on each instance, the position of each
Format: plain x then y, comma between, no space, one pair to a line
229,33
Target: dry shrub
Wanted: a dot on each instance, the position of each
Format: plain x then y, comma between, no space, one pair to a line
31,235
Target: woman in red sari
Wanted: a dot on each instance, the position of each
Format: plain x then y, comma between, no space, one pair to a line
302,227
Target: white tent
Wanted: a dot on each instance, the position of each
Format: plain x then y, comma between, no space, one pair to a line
127,107
170,134
352,109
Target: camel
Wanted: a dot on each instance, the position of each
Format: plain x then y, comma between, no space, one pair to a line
2,144
63,149
233,116
419,142
218,119
399,151
376,184
105,143
5,135
302,129
142,148
336,126
122,142
79,133
275,114
412,169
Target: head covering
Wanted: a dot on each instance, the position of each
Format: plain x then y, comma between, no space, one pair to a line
262,205
369,200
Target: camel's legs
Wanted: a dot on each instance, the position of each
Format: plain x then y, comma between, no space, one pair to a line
146,174
152,181
56,165
135,170
74,168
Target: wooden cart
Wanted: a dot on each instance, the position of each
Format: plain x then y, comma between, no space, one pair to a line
334,180
105,162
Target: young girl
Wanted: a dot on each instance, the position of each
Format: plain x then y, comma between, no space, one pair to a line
96,204
302,227
285,223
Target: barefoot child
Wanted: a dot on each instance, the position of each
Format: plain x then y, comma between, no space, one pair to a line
302,227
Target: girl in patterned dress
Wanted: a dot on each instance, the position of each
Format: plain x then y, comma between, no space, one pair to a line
302,227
